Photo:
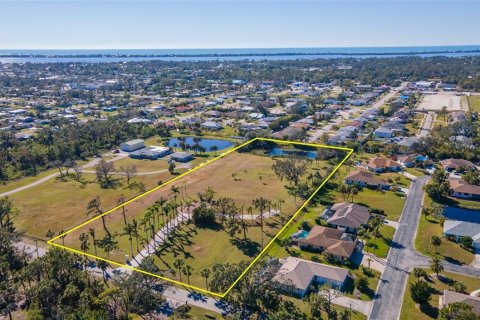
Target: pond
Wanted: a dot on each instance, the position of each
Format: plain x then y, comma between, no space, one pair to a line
282,152
208,144
460,214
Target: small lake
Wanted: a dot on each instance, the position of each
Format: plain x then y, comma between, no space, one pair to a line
208,144
454,213
301,153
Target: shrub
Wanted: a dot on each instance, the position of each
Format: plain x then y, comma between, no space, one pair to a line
420,291
306,226
466,242
361,283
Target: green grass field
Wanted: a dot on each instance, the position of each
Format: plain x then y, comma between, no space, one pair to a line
474,103
59,205
410,310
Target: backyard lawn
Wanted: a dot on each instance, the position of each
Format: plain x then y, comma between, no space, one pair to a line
410,310
388,201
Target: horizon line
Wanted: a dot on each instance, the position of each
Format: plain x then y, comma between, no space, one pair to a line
255,48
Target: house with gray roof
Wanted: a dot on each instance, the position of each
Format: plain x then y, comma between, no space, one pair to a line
346,216
449,297
299,274
457,229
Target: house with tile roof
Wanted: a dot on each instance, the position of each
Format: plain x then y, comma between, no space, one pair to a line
339,244
378,165
455,164
461,189
366,179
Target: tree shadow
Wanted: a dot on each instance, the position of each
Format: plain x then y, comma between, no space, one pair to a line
429,310
453,260
248,247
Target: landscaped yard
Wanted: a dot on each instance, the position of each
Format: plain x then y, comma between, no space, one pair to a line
430,226
474,103
410,310
381,245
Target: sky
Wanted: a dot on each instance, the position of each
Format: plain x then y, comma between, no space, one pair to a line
183,24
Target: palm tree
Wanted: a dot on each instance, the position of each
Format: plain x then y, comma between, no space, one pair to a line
84,242
436,241
261,204
419,273
128,231
436,266
179,263
354,191
187,270
135,232
205,273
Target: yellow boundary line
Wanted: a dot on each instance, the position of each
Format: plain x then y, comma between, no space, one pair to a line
220,295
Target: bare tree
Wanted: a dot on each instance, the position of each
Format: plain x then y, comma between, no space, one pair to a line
104,171
78,172
129,171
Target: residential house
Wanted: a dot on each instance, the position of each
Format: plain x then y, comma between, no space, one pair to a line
449,297
378,164
383,133
299,275
339,244
456,164
366,179
461,189
211,125
346,216
455,229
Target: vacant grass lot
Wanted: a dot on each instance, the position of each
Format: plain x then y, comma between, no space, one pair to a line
61,204
474,103
241,176
410,310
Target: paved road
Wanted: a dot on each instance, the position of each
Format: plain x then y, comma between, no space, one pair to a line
344,115
402,257
426,124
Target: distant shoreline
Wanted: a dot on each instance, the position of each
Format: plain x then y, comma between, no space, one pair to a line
214,55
